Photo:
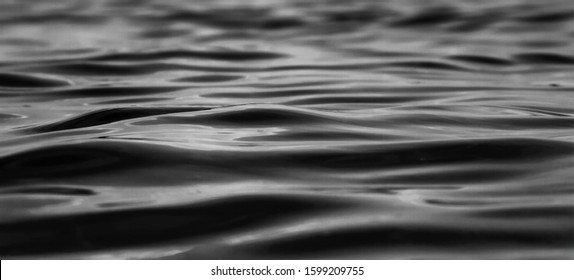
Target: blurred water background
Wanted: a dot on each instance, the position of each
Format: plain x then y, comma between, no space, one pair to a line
274,129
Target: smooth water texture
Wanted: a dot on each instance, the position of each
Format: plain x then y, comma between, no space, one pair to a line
287,129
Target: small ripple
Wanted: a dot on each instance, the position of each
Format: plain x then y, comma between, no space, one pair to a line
544,58
475,22
356,99
105,69
4,116
282,23
546,17
189,54
352,91
57,190
246,116
469,175
550,212
233,19
429,17
13,80
132,100
162,33
482,60
459,202
533,123
208,79
430,65
108,91
107,116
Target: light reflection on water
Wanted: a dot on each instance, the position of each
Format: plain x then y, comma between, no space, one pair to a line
286,129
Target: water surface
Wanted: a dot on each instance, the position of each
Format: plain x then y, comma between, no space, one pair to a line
287,129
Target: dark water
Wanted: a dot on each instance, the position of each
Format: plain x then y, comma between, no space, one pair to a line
287,129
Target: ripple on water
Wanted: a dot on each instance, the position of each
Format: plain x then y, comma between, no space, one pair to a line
219,130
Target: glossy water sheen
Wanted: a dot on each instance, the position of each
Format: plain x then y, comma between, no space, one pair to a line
287,129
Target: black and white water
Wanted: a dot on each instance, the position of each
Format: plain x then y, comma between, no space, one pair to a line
287,129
